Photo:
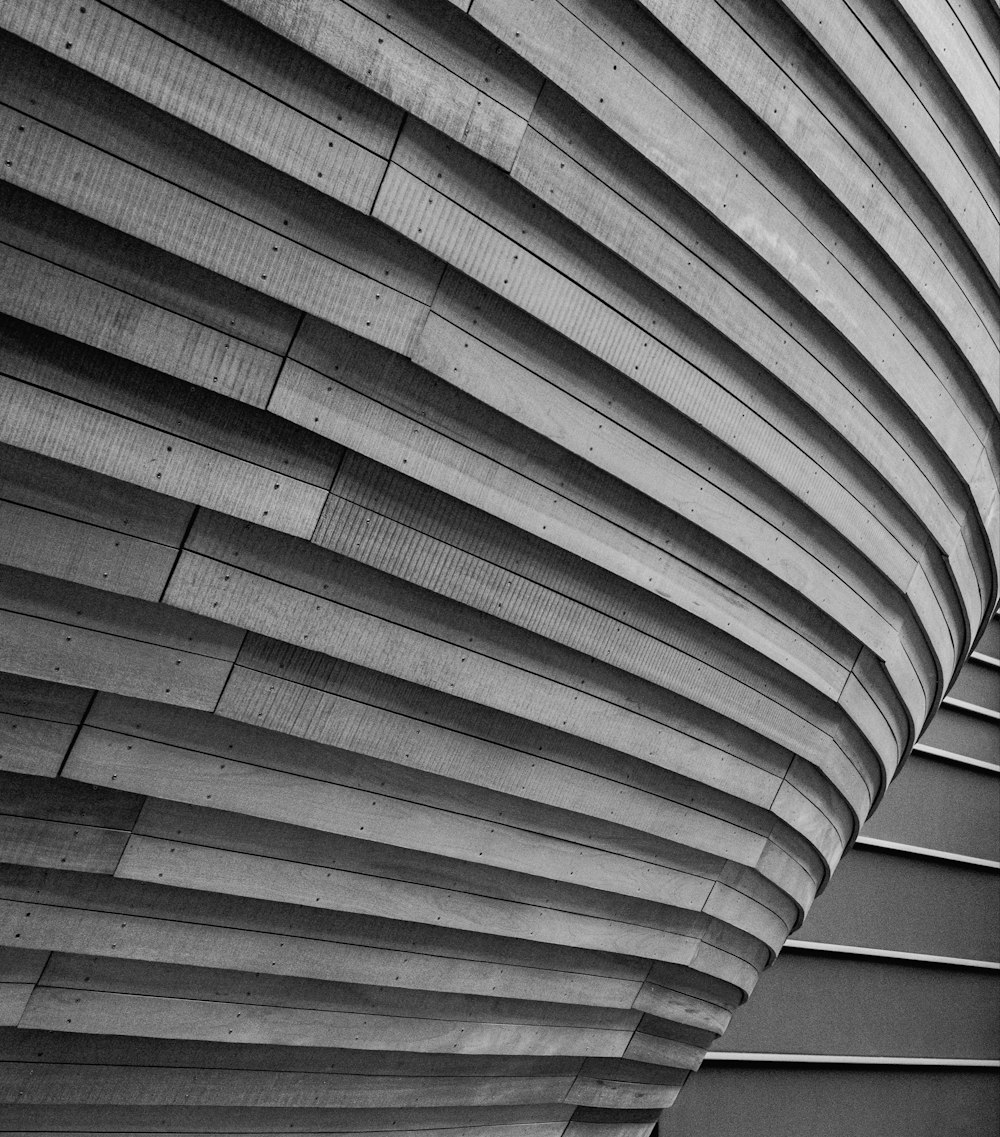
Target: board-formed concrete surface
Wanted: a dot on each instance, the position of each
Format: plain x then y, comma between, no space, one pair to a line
490,493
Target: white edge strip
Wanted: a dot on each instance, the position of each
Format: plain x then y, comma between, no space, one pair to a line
989,660
847,1059
886,953
972,708
951,756
917,851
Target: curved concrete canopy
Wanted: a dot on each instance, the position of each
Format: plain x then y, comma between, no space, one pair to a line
493,492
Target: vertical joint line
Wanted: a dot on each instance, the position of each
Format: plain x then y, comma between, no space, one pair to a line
330,492
229,674
388,162
76,733
284,359
180,550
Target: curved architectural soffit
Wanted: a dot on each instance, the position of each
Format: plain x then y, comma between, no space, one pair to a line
491,493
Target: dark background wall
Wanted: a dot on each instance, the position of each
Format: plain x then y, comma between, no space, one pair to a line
897,960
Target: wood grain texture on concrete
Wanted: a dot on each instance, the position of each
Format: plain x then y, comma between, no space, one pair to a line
491,491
